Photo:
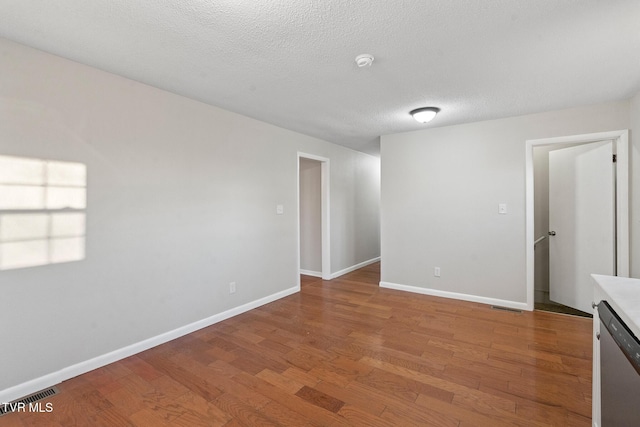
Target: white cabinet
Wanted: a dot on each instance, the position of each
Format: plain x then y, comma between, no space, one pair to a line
598,296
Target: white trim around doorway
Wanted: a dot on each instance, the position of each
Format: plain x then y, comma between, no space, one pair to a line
325,208
621,141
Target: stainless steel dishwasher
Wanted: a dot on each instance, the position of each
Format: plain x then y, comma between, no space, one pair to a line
619,370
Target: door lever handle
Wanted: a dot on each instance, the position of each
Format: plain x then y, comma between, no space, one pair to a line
552,233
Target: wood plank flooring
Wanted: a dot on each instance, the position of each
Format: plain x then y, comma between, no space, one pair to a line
346,353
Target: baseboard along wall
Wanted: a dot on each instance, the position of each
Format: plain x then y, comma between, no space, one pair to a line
311,273
354,267
48,380
454,295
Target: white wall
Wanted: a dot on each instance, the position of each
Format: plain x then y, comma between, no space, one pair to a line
310,216
440,193
355,199
181,201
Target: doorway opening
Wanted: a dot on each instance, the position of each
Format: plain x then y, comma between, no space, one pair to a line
313,216
556,260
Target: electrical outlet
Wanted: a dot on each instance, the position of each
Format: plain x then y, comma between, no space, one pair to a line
436,271
232,287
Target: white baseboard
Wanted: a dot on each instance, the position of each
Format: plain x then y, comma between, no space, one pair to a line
311,273
354,267
454,295
48,380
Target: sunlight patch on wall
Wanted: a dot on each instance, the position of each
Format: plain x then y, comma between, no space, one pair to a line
42,212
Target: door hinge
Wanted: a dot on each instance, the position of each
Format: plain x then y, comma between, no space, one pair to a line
615,158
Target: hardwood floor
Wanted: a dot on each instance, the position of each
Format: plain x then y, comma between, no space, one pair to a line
346,353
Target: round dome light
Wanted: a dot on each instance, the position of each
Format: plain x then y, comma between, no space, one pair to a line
424,115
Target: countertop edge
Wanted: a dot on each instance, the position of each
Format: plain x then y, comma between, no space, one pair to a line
623,295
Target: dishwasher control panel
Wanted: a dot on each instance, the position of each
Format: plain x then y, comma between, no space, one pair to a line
624,338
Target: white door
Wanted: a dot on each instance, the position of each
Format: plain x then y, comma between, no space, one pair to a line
581,213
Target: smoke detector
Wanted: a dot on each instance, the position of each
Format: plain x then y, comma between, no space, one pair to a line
364,60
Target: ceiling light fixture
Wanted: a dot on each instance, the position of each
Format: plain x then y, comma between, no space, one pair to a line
364,60
424,115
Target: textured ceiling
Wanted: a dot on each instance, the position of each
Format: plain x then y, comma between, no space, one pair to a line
291,63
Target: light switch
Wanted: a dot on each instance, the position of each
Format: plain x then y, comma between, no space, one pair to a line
279,209
502,208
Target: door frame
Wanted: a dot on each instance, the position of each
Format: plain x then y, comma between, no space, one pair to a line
324,207
621,140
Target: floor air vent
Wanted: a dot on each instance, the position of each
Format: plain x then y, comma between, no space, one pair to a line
512,310
22,405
